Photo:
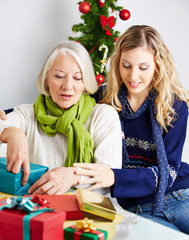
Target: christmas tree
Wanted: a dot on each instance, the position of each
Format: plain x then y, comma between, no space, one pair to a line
96,32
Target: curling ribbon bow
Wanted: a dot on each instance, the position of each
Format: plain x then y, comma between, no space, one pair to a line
24,203
86,225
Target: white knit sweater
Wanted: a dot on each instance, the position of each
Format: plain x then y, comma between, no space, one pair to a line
103,124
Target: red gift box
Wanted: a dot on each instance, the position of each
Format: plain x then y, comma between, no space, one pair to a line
65,203
45,226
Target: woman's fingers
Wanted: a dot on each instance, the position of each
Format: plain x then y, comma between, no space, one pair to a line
55,181
10,165
3,115
26,170
45,188
91,180
85,172
89,166
16,167
36,187
52,191
95,186
17,151
100,175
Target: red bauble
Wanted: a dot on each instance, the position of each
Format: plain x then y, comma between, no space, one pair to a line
101,4
99,79
115,39
124,14
84,7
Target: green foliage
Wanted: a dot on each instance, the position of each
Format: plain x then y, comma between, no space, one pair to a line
92,35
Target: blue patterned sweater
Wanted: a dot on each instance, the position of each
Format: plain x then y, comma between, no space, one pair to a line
136,183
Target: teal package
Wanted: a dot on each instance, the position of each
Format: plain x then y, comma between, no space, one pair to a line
11,183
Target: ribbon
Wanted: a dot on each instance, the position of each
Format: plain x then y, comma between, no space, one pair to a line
26,221
108,32
24,203
109,21
78,233
86,226
41,201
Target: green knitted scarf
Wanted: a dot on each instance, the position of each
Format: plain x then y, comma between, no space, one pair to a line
70,123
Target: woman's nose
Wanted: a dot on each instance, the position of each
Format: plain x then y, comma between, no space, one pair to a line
67,83
133,74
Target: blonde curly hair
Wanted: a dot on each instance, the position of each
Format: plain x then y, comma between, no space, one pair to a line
165,80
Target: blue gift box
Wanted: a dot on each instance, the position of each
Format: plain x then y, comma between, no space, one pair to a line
11,183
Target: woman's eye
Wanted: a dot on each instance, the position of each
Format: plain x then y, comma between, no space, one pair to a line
126,66
145,67
59,76
78,78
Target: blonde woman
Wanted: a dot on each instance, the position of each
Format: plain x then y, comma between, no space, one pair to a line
143,87
64,126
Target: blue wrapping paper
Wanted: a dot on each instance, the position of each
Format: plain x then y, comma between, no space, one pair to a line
11,183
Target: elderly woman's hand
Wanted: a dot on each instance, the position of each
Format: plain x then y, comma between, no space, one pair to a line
17,151
101,176
55,181
3,115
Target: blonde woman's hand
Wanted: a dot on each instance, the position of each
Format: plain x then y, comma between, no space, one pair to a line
55,181
101,176
17,151
3,115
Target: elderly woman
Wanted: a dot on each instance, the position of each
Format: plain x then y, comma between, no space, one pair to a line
64,126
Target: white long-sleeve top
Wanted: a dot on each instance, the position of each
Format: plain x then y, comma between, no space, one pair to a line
103,125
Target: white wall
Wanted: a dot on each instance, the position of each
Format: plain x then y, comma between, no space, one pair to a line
29,29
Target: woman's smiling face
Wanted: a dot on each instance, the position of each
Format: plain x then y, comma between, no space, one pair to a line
65,81
137,68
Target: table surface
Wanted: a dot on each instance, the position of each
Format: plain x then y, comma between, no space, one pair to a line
134,227
144,229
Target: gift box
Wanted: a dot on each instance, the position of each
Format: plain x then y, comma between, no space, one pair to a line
95,204
44,226
11,183
71,233
65,203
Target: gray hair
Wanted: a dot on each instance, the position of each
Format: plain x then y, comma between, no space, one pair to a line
82,57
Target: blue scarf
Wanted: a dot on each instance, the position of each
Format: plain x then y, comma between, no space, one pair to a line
157,135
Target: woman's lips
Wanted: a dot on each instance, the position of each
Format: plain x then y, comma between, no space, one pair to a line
134,84
66,96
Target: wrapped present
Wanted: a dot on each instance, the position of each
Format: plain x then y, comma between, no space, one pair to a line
95,204
21,220
65,203
84,230
11,183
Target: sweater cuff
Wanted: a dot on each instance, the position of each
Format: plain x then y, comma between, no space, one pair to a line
112,187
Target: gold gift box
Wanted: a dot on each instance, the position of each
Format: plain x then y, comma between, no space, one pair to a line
95,203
